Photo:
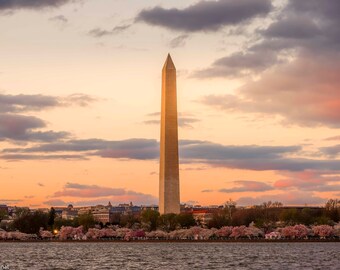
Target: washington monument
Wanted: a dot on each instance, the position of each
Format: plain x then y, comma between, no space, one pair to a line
168,169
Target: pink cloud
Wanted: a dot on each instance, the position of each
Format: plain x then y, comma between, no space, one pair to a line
98,193
304,92
309,180
246,186
287,198
334,138
78,190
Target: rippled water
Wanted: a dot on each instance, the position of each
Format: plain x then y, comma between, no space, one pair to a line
108,255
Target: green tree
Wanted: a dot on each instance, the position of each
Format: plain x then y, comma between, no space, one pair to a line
3,214
150,218
322,220
306,216
28,222
290,216
86,220
168,222
332,210
186,220
51,217
21,211
128,220
116,218
246,216
219,219
59,222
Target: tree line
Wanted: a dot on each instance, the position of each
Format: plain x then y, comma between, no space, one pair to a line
265,216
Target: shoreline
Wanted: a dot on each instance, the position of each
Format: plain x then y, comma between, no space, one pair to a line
180,241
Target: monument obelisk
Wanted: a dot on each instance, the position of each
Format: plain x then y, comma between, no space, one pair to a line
169,169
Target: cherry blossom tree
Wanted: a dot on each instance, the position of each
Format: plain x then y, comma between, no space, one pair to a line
273,235
224,231
94,233
46,234
323,231
295,232
238,232
302,231
253,232
337,230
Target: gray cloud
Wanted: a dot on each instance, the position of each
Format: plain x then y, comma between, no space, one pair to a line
57,202
307,25
251,157
247,186
279,164
22,128
331,151
76,190
19,157
213,151
92,145
185,120
78,99
294,27
309,180
152,122
333,138
178,41
301,27
303,92
20,103
87,191
149,149
206,15
238,64
291,198
31,4
59,18
98,32
10,201
25,103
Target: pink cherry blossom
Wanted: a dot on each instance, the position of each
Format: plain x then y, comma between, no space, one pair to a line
224,231
238,232
323,231
46,234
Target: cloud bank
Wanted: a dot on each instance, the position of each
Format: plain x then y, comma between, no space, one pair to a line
205,15
100,193
32,4
296,59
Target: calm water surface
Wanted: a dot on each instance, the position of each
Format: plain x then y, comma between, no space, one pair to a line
170,255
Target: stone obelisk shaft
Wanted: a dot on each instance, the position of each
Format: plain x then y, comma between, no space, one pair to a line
169,170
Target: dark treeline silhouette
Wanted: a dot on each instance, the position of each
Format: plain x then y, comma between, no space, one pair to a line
265,216
271,214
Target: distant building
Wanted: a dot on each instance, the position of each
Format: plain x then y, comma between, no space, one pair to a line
69,213
44,210
126,209
202,216
103,215
58,211
85,210
4,208
149,207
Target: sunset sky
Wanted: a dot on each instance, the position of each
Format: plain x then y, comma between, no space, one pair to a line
258,100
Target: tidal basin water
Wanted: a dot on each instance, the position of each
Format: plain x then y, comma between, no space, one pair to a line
112,255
